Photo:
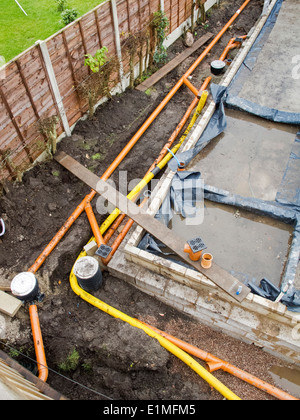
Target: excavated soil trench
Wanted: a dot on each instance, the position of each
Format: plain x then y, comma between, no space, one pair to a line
115,360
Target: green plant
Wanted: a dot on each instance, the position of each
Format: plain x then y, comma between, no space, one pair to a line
14,353
131,45
47,126
97,156
97,85
13,169
87,366
68,16
71,363
160,23
97,61
61,5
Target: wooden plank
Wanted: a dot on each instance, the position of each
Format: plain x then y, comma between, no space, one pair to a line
156,77
216,274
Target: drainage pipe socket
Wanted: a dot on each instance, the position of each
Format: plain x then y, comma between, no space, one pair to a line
88,274
25,287
217,67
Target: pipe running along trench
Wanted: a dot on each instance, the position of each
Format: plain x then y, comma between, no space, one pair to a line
214,363
175,350
36,330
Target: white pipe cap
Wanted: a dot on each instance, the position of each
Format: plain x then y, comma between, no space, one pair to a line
86,268
23,284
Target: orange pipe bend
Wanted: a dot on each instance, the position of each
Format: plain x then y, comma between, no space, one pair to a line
214,363
38,343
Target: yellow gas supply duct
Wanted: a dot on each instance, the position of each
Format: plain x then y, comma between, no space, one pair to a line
176,351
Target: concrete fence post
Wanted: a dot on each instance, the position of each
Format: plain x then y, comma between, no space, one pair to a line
162,6
118,42
54,85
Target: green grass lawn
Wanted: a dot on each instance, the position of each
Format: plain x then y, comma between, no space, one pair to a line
19,32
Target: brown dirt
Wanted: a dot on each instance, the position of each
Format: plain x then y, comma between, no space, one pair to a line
115,359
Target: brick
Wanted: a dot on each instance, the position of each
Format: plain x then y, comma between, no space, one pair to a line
9,305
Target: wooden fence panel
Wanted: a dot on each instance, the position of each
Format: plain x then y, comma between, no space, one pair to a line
27,93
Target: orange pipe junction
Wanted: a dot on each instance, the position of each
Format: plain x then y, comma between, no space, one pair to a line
214,363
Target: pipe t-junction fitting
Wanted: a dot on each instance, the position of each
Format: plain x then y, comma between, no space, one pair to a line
195,248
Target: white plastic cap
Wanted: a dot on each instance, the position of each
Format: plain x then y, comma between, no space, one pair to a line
218,64
86,268
23,284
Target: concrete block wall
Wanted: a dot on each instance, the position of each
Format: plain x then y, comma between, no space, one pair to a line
256,320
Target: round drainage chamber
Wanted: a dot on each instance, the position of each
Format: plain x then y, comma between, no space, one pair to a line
25,287
88,274
217,67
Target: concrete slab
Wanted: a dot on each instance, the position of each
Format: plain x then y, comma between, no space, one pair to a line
275,80
249,158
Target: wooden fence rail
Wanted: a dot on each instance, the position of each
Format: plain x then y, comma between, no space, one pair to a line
43,81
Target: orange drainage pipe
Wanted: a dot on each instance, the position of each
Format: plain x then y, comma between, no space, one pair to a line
214,363
192,88
94,224
38,343
231,45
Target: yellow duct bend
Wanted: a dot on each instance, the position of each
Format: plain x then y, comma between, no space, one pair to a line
208,377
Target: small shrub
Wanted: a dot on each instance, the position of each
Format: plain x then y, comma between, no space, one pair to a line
97,85
71,363
161,24
68,16
47,126
96,61
61,5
